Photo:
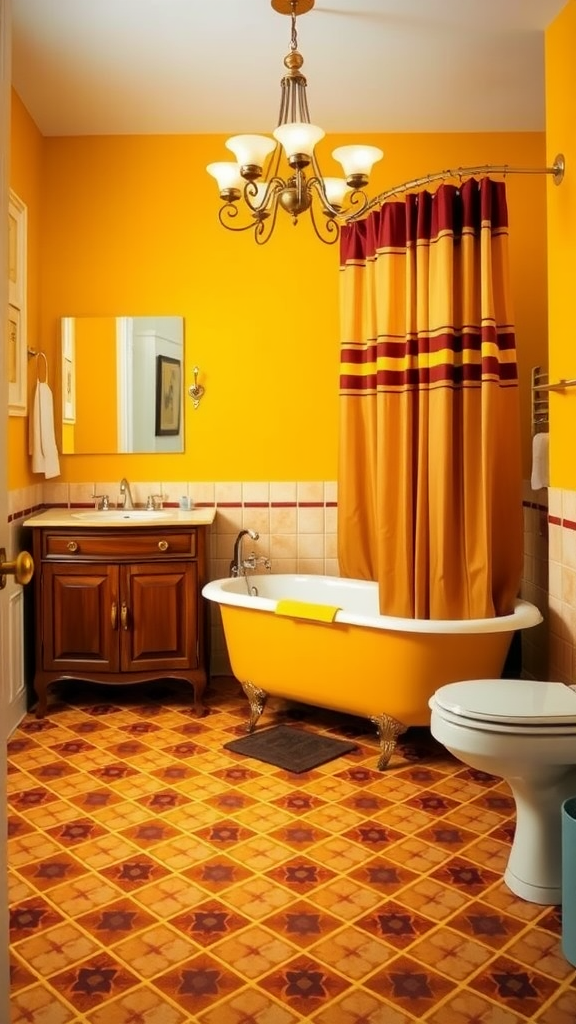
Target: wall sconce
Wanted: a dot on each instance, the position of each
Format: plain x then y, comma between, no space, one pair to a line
196,390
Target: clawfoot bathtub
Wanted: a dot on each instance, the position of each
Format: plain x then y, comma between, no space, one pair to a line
320,640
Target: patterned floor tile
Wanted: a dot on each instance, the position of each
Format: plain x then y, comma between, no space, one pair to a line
482,922
93,981
45,874
254,951
113,921
40,1003
218,873
197,983
302,923
410,986
141,1005
134,872
519,988
208,922
396,925
157,879
303,984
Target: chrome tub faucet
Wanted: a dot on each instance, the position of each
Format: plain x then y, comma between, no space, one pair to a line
237,566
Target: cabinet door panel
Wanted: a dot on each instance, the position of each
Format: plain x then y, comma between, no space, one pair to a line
79,607
160,618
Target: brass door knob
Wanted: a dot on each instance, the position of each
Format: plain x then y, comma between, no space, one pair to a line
22,568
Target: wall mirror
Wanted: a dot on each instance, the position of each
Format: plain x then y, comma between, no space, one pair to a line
122,384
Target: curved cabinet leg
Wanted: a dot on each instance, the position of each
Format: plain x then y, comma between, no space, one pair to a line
257,699
389,729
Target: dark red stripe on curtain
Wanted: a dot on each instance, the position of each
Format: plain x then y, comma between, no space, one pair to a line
425,215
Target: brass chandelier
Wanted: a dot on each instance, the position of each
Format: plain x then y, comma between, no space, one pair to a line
252,187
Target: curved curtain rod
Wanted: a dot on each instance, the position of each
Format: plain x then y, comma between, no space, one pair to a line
557,170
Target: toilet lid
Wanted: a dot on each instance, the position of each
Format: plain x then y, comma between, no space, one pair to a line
513,701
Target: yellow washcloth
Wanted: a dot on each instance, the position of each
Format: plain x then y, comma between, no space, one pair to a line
306,610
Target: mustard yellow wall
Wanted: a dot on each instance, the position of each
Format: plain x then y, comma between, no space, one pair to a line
130,227
561,137
26,164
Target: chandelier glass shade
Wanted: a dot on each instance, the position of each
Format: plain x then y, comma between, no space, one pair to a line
282,172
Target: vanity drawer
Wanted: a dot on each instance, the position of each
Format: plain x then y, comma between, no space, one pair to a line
118,544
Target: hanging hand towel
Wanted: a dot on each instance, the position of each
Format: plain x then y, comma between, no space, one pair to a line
540,472
42,439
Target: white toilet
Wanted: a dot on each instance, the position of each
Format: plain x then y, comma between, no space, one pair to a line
525,732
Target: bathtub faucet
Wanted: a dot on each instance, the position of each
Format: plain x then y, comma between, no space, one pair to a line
237,565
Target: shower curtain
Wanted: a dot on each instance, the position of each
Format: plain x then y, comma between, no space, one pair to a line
429,483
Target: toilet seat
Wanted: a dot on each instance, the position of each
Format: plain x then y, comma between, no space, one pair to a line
508,705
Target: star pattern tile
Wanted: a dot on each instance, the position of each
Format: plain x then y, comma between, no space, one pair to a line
157,878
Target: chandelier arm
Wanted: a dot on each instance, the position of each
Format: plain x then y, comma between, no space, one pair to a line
264,227
227,213
331,228
316,183
557,171
273,186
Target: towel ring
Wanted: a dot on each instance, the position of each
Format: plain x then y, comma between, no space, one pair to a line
33,352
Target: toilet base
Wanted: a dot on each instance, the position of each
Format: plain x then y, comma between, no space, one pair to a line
549,895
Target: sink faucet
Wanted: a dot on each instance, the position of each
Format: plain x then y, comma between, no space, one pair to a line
125,490
237,567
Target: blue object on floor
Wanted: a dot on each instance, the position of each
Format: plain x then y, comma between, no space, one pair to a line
569,879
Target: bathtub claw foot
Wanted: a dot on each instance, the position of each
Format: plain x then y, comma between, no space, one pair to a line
257,699
389,729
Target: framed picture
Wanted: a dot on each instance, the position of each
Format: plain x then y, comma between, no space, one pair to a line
168,395
17,341
16,361
68,371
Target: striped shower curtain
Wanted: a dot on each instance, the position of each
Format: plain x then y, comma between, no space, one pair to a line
429,486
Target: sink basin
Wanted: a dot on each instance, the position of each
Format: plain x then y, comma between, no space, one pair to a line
121,515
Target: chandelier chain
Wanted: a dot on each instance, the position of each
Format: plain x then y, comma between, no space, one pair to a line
293,34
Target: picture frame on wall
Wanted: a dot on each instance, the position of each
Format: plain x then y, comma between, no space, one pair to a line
16,362
17,291
168,395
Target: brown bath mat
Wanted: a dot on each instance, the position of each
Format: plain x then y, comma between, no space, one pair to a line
295,750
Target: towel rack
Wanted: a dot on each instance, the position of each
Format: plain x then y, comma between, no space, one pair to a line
540,400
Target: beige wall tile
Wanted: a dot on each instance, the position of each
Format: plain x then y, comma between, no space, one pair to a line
286,491
311,491
283,520
310,520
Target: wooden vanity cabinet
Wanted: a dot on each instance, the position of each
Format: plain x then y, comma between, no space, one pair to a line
120,606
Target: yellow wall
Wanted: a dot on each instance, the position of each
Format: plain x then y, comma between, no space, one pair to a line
129,227
561,137
26,164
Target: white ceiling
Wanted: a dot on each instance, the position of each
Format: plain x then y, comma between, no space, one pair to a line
180,66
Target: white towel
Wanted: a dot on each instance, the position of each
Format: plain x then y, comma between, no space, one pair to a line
540,461
42,441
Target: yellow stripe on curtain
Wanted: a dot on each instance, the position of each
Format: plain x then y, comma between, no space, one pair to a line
429,495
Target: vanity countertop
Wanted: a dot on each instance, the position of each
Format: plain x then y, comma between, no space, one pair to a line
78,519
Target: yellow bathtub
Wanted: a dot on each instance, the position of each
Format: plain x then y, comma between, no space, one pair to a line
320,640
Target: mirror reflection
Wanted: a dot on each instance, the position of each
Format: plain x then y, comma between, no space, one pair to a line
122,384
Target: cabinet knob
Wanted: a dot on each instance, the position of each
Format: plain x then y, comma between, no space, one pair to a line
72,545
163,545
124,615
